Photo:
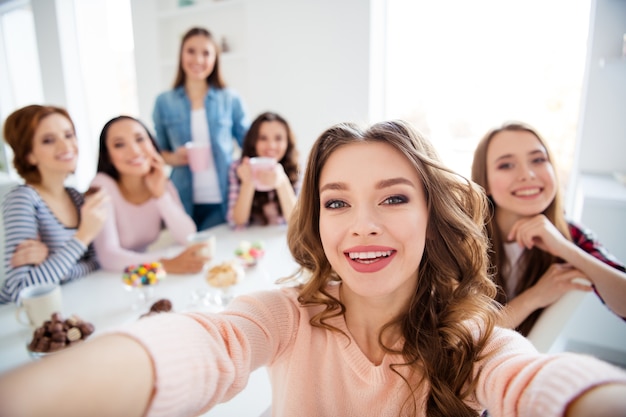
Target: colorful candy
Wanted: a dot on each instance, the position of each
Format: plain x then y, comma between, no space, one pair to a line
249,253
143,275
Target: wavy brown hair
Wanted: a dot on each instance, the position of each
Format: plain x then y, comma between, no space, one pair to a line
453,288
19,132
289,161
215,77
534,262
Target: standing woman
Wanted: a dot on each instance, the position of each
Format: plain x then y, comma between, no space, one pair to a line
200,109
49,227
143,202
538,254
270,137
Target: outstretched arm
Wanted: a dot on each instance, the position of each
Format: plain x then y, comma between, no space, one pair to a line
108,376
607,400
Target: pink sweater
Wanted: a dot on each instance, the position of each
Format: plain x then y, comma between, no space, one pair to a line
130,228
316,372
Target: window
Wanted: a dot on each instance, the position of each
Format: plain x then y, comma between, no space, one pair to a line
20,82
96,78
455,69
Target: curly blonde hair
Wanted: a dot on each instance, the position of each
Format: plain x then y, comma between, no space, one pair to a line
454,287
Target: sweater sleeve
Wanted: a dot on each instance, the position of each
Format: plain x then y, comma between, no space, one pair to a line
176,219
111,255
211,357
22,221
517,381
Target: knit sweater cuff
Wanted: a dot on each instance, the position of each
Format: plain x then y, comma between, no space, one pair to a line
556,383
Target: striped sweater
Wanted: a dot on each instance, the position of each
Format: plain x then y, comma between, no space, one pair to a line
26,216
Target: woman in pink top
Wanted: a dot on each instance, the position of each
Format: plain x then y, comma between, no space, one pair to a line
143,201
396,319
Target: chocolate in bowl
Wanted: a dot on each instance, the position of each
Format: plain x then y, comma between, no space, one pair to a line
58,334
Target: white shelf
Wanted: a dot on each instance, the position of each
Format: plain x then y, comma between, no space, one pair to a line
605,188
201,7
225,57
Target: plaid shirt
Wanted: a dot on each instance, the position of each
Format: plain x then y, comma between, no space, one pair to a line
584,239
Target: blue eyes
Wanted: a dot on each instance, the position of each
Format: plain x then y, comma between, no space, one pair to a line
396,199
393,200
335,204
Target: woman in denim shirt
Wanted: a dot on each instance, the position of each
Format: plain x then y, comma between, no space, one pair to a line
200,110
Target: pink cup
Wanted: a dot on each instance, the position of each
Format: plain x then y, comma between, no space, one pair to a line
198,156
261,163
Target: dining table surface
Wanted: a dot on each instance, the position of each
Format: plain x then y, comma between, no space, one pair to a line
101,299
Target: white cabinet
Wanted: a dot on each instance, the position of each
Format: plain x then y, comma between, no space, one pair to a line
596,198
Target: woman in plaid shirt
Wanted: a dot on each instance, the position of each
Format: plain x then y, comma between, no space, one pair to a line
537,254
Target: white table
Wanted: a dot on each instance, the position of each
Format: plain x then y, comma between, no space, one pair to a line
101,299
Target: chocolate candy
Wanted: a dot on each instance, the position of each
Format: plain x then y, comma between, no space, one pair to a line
91,190
161,306
56,334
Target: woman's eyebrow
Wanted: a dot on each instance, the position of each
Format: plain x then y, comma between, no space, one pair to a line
334,186
394,181
340,186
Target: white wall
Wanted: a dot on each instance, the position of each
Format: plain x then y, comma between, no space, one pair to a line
603,118
307,60
596,198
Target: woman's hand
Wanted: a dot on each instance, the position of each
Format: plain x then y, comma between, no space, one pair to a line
244,171
272,178
176,158
156,179
189,261
29,252
555,282
538,231
92,216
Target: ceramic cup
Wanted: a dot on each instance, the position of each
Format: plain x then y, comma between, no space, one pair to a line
260,163
208,239
38,302
198,156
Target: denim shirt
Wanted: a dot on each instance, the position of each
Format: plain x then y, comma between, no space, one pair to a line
227,120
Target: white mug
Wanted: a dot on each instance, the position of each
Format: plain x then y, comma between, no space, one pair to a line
198,156
39,302
261,163
208,239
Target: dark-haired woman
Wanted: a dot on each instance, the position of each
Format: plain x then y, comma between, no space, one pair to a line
265,196
143,200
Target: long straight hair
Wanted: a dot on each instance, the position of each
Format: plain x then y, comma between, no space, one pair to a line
215,77
534,262
289,161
